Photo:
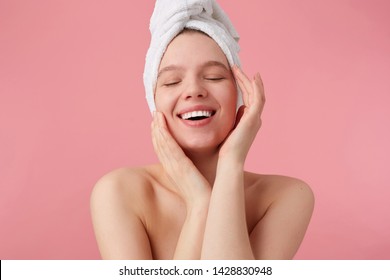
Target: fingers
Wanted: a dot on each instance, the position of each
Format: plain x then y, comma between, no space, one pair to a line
243,82
259,95
177,165
165,146
156,138
159,137
252,90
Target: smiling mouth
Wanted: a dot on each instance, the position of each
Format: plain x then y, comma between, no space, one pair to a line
196,115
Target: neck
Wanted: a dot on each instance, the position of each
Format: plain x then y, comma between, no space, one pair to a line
206,163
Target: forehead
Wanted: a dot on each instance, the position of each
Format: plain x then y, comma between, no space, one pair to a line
193,48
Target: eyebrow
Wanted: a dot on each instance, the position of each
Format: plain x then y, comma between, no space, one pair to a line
206,64
215,63
169,68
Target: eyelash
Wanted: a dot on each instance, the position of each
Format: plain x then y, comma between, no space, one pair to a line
171,84
208,79
215,79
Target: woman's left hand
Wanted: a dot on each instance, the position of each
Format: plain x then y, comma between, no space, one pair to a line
248,121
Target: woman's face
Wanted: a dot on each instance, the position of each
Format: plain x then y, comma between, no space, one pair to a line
196,92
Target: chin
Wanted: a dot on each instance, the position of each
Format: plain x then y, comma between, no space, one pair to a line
200,145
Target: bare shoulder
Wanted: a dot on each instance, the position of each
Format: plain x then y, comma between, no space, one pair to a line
122,181
130,188
282,208
279,188
118,203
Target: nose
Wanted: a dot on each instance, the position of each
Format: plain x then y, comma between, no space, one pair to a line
194,90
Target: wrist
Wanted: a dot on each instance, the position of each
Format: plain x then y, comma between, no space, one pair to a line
230,164
198,208
231,172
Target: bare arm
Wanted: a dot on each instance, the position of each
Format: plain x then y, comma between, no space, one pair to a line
226,235
119,232
280,232
190,185
190,241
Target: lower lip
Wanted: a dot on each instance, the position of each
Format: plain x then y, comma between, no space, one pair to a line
198,123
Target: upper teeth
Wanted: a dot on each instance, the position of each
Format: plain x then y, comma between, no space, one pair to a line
194,114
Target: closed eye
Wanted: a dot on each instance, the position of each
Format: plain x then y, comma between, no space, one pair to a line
215,78
171,83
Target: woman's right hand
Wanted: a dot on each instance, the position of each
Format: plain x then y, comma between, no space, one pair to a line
188,181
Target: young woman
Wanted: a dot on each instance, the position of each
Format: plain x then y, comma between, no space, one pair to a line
198,202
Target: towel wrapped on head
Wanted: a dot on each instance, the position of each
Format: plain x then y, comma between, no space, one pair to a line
170,17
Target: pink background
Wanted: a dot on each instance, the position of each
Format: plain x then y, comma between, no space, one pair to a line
72,108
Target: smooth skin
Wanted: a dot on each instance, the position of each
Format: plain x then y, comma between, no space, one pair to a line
198,202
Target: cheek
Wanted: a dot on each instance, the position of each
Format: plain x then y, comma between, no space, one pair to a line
162,102
230,102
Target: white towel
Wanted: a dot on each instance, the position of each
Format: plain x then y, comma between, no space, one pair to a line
170,17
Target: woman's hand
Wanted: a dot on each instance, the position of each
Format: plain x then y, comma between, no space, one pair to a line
189,182
248,121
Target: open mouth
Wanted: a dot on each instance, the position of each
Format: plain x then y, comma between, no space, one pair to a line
196,115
